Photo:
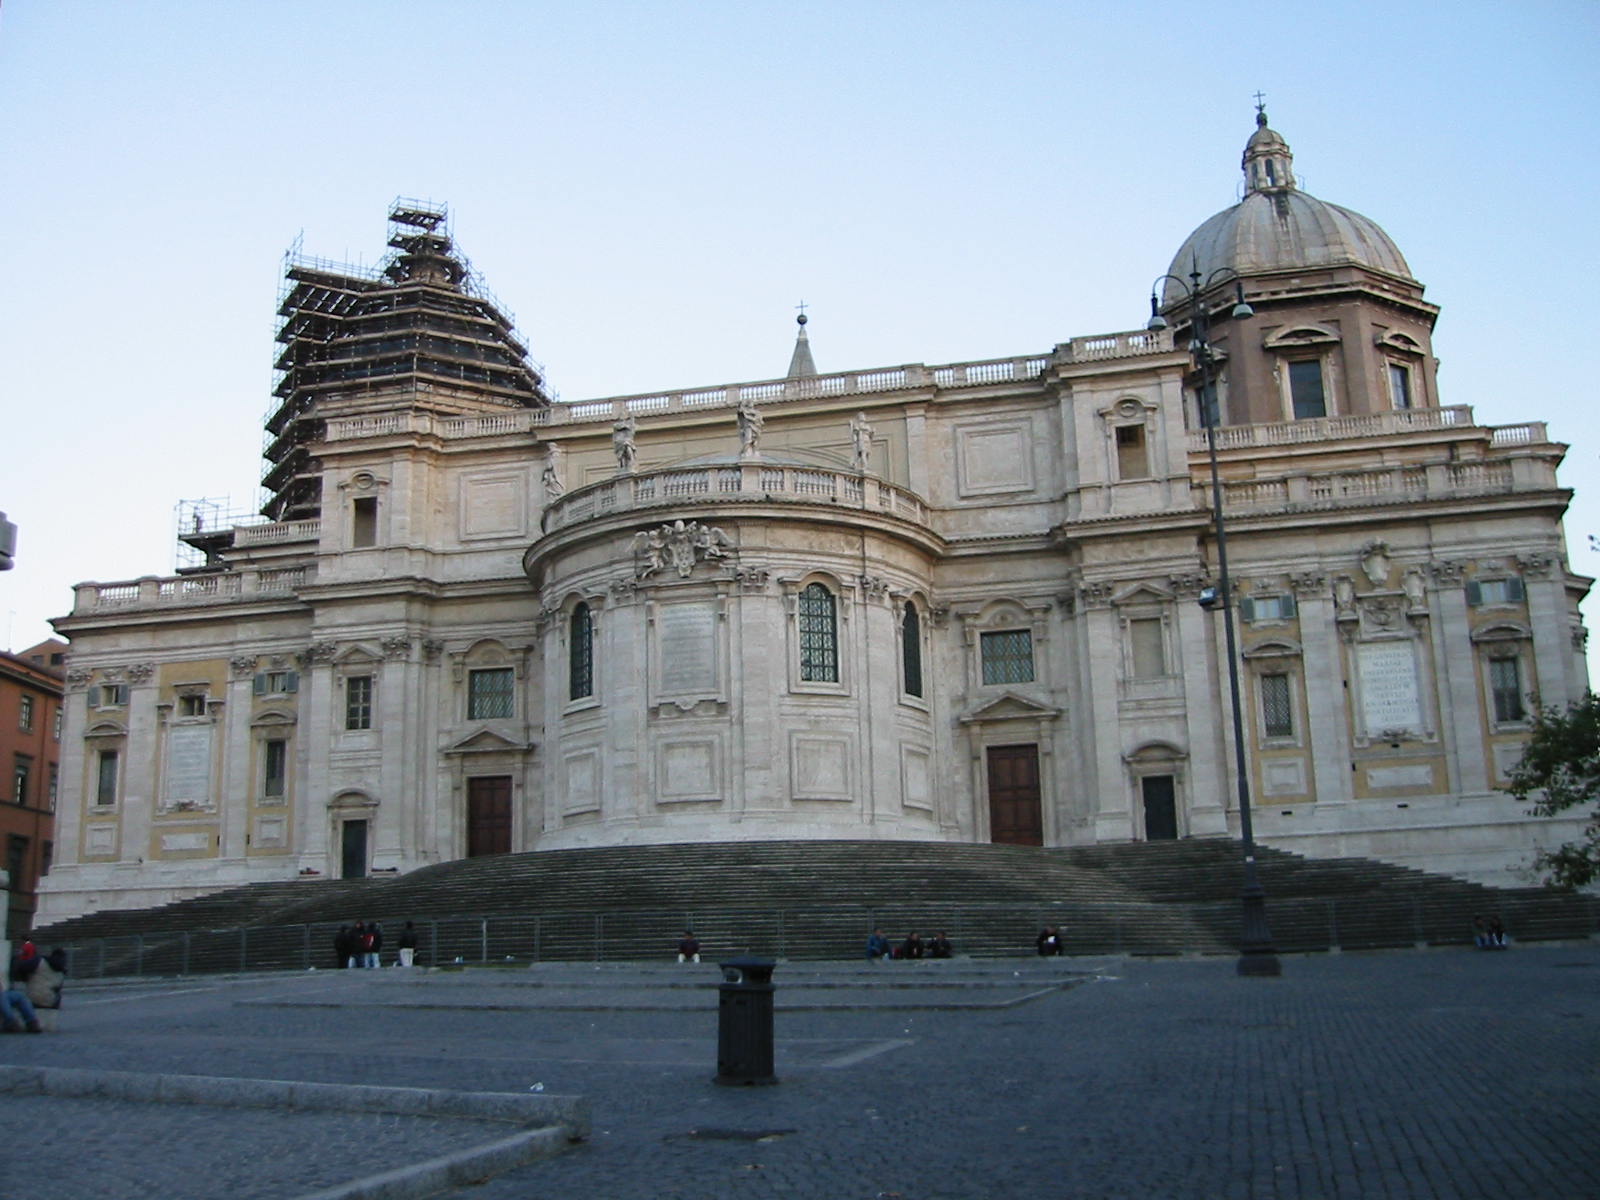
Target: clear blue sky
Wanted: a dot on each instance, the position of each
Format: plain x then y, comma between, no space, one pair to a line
651,188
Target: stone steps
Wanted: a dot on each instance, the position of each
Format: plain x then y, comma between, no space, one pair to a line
813,900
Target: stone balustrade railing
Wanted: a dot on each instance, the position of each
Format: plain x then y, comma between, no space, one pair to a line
752,480
271,534
153,591
731,395
1328,429
1387,484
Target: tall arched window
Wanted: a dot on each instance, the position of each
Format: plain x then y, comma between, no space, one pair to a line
819,635
911,650
580,654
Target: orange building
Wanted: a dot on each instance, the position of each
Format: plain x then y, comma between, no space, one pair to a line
30,753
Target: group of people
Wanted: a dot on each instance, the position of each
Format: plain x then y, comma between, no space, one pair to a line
362,945
17,1013
880,948
1489,933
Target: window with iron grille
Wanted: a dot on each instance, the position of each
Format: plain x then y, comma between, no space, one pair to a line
1007,656
819,635
580,654
1505,685
489,694
358,702
106,778
274,770
911,650
1277,706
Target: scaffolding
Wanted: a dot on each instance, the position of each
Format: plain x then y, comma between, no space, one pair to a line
204,531
419,322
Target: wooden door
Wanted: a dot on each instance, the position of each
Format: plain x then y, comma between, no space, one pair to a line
488,815
1015,816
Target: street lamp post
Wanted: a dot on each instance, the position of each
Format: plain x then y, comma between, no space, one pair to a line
1257,954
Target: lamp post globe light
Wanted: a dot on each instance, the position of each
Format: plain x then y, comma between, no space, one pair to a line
1257,954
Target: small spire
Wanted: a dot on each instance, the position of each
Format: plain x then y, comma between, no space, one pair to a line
800,364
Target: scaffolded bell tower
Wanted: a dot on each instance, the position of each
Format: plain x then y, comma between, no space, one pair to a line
420,329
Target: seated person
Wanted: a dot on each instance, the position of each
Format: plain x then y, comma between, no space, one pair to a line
16,1010
912,947
939,947
688,948
1048,942
878,947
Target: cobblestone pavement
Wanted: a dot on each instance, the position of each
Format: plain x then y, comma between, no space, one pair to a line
1429,1074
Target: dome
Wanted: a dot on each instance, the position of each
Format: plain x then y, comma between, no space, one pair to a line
1278,227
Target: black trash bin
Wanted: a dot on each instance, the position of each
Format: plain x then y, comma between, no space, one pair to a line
744,1022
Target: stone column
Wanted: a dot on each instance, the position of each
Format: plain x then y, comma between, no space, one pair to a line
1456,663
237,790
1327,699
312,820
141,765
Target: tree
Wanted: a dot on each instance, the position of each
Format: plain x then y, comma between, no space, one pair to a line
1560,770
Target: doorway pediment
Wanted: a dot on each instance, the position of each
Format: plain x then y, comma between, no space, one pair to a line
1010,706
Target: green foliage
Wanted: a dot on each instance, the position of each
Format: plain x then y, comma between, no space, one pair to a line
1559,770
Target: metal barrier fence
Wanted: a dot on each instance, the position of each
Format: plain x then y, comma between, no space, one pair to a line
840,931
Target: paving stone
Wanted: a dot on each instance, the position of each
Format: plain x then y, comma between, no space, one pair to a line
1413,1075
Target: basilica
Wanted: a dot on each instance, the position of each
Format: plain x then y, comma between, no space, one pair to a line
963,602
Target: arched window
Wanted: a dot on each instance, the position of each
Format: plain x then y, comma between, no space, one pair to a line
580,654
819,635
911,650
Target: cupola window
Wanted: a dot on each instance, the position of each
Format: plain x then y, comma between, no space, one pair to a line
1306,392
1400,386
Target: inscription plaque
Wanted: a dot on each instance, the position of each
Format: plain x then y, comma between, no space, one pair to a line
1389,697
688,649
189,764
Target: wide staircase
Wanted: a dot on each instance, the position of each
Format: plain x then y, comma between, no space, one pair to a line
818,900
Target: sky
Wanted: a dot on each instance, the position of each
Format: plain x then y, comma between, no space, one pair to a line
651,188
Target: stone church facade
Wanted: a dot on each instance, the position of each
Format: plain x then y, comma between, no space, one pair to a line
952,602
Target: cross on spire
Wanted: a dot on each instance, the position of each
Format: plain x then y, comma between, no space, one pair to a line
1261,104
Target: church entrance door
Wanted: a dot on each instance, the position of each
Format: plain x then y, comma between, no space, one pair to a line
488,815
1160,808
1015,817
353,850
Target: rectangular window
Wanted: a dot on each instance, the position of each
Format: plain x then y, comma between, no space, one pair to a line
1148,644
1277,708
1495,591
1400,385
192,706
274,768
19,779
1133,459
1505,683
57,723
277,683
364,522
25,713
358,702
1007,656
1305,389
489,694
105,792
55,780
109,695
1267,608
